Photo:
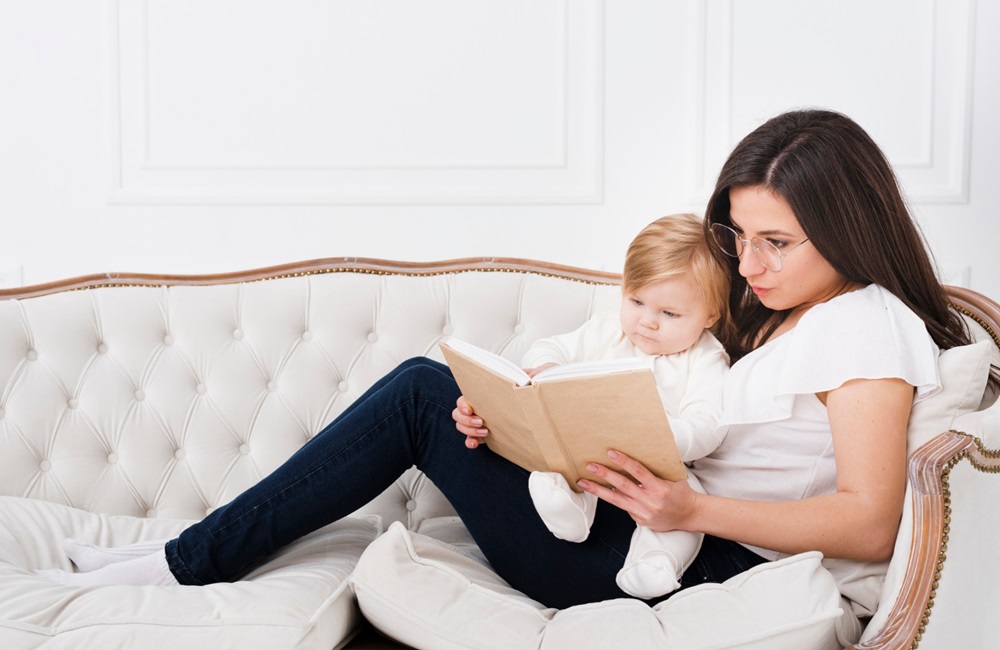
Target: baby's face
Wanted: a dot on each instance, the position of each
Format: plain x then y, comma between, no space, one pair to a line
666,317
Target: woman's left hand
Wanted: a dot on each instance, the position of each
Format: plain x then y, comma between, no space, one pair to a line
652,502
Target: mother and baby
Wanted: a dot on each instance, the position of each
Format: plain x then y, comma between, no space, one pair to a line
790,333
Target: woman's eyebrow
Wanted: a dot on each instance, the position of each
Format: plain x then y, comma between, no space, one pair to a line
764,233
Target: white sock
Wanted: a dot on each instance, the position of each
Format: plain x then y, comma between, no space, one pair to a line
90,557
567,514
151,570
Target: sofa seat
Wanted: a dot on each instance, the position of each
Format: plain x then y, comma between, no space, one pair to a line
300,599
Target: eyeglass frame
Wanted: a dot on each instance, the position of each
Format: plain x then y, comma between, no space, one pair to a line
756,244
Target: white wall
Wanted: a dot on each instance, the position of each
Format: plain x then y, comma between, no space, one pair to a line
198,136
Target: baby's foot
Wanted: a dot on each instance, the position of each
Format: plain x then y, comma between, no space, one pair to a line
567,514
151,570
653,574
90,557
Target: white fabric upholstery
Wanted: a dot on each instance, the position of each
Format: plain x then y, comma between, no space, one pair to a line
300,599
159,404
432,595
167,402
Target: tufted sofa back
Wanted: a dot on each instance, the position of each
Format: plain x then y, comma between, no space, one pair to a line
167,396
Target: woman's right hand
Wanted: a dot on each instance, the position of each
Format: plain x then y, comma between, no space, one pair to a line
468,423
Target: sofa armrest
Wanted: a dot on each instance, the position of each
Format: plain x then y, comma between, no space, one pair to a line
934,503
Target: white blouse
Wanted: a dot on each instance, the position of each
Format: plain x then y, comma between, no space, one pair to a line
779,445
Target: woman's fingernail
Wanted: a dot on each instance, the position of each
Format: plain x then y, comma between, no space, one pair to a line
592,468
477,422
612,454
583,485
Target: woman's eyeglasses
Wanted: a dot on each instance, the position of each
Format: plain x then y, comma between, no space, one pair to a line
730,243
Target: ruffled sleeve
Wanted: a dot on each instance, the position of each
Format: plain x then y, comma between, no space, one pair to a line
864,334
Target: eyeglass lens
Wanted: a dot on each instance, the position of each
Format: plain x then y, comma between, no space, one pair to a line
731,244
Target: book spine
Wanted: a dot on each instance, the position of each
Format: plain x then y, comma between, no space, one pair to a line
544,431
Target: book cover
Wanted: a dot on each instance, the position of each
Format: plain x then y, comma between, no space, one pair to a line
562,423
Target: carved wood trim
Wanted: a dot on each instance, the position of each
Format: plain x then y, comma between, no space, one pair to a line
316,267
929,468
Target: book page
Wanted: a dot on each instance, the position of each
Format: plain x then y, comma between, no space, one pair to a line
491,360
589,368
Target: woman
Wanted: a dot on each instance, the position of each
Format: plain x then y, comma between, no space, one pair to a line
808,216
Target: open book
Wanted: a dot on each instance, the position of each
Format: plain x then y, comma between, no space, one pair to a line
569,415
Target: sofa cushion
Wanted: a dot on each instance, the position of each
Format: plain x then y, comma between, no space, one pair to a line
299,599
430,594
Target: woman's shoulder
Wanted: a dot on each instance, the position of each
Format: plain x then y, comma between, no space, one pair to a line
864,333
872,310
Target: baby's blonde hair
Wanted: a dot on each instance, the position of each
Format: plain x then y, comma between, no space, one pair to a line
675,245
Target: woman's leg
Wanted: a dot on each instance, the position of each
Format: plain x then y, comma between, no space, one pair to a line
404,420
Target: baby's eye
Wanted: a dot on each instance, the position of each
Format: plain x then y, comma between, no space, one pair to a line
670,314
636,302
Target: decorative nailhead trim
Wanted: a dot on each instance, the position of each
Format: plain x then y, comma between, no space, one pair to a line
975,459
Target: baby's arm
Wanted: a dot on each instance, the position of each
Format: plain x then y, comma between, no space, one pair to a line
586,343
696,424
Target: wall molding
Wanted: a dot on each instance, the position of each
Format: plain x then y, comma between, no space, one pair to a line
938,173
569,171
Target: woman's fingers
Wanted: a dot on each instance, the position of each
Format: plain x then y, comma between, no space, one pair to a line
634,468
468,423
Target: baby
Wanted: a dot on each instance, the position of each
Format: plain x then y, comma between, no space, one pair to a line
673,293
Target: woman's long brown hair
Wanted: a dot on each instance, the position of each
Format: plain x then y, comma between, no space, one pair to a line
846,197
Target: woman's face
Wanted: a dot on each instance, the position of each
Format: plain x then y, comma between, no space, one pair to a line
806,278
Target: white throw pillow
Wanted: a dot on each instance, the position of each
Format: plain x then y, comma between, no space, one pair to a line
299,599
427,594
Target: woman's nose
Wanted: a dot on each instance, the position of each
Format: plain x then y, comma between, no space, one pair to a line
749,264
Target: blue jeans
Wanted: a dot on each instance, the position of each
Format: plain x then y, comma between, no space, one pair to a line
401,421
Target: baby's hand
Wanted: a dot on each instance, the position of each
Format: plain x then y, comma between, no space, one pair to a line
534,371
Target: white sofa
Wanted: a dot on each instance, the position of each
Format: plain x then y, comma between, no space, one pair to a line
133,405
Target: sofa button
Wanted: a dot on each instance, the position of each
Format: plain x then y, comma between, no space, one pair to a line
151,513
201,388
168,340
372,337
519,328
411,505
112,458
45,465
140,395
72,403
244,449
32,355
238,335
448,330
272,386
102,348
307,335
343,386
179,454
